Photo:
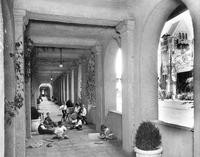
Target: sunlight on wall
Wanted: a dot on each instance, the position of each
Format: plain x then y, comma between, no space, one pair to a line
118,71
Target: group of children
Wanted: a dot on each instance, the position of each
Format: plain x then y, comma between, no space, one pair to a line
48,126
75,117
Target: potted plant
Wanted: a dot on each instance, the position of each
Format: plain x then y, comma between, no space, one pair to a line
35,119
148,141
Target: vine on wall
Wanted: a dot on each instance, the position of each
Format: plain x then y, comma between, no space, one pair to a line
12,107
28,46
90,84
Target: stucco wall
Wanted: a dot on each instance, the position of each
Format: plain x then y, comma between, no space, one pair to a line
1,87
90,9
176,141
109,76
114,122
91,116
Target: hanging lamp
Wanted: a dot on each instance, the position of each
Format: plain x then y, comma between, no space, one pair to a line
61,64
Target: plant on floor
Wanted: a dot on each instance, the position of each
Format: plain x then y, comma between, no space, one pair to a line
34,113
148,136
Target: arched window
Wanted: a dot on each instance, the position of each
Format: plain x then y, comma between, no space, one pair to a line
118,71
175,72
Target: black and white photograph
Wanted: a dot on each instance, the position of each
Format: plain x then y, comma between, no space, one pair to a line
100,78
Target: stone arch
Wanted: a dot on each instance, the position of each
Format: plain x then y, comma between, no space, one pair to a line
148,59
148,55
47,85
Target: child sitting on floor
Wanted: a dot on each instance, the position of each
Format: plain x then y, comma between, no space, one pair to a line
60,131
42,129
105,133
79,123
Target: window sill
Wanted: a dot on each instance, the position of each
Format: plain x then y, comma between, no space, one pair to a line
173,125
116,112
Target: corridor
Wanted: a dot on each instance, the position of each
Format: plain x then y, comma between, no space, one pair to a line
80,143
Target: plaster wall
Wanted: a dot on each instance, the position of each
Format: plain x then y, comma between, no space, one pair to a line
1,86
110,76
74,9
91,116
114,122
147,33
176,141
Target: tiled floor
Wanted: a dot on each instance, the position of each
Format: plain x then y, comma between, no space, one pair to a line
79,144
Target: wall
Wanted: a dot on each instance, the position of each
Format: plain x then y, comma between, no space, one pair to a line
90,9
110,77
1,86
176,141
147,33
114,122
91,116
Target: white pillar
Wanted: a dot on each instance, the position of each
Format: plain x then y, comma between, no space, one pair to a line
20,126
79,80
72,85
64,98
196,144
99,86
126,29
67,86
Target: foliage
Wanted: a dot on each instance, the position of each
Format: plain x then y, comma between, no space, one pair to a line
148,136
90,84
12,107
10,111
34,113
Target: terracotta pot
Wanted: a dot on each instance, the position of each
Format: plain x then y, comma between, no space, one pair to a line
34,124
148,153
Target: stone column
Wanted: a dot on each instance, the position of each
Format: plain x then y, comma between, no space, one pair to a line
27,54
72,85
99,86
196,23
84,81
20,126
79,80
28,107
8,71
61,89
75,83
126,30
68,87
64,89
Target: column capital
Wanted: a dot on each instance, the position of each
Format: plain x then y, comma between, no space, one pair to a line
20,16
125,25
83,59
97,49
21,21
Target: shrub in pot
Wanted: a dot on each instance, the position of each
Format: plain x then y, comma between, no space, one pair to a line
35,119
148,141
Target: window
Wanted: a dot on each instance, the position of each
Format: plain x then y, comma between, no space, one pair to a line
118,71
175,72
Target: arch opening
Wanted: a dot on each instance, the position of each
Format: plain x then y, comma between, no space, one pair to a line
175,69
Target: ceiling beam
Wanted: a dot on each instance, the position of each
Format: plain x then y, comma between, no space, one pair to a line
72,20
83,42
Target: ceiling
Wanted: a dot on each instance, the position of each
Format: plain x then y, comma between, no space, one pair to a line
72,41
